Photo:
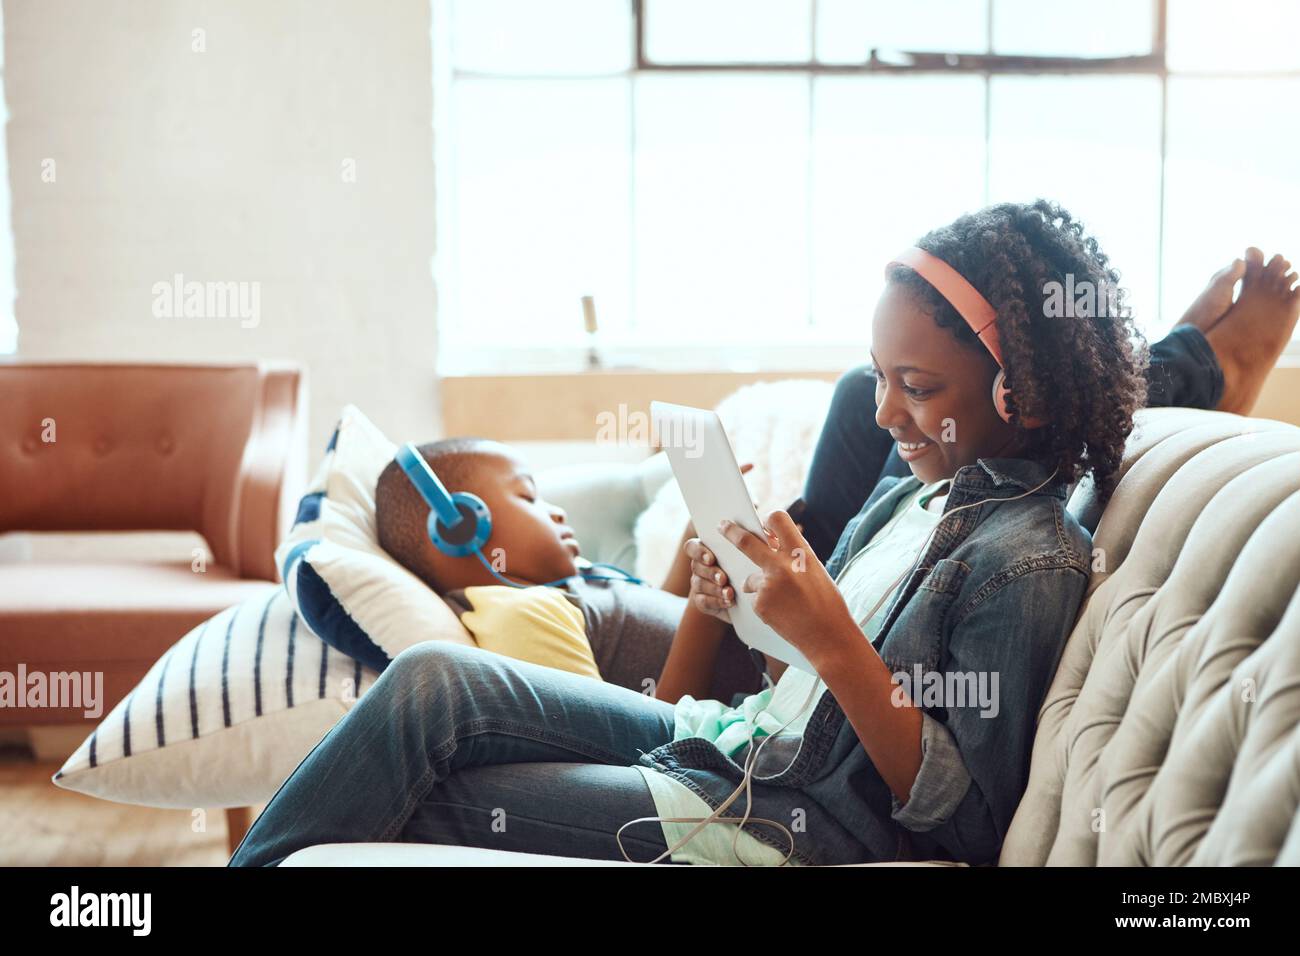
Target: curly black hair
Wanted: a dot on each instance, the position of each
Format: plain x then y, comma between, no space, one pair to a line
1084,374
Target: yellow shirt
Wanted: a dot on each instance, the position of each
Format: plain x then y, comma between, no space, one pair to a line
538,624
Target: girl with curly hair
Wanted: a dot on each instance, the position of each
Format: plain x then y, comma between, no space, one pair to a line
998,403
933,626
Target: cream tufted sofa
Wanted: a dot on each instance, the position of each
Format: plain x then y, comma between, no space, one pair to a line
1171,733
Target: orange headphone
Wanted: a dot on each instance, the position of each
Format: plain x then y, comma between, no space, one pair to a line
972,307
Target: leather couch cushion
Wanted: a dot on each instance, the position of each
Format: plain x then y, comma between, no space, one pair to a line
115,618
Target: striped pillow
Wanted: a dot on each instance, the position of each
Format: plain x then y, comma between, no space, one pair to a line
224,717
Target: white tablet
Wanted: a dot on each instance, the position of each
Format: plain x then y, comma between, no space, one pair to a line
706,471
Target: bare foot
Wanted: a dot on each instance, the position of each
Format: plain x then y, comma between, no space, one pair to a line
1254,331
1216,298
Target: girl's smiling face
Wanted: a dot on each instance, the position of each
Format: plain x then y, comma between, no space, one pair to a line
933,391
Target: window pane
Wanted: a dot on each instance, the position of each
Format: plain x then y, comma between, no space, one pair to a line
1095,28
540,207
1093,145
1246,35
847,30
1228,186
527,37
728,31
894,157
721,206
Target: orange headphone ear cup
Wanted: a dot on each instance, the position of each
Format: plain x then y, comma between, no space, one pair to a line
1000,393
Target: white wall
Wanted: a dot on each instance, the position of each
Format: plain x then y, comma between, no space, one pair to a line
227,165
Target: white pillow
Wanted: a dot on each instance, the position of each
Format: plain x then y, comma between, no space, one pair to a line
348,590
775,425
224,717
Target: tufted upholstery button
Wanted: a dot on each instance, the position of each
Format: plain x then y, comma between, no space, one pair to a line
29,445
165,445
102,445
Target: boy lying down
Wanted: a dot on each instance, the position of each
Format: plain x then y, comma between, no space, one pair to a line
611,630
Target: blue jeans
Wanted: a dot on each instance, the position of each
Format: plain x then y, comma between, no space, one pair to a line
853,453
454,745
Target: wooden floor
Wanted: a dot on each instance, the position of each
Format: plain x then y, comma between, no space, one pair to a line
45,825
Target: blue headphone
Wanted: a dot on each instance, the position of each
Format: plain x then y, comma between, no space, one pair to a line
459,524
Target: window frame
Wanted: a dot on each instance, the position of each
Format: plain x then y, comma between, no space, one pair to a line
824,351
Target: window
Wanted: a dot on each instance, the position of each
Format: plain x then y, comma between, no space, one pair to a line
716,172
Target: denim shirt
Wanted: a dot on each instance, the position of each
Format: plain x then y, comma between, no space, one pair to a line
995,593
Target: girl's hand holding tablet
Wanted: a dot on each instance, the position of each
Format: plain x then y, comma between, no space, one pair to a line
794,595
710,591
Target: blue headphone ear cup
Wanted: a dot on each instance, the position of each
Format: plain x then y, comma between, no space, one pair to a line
469,534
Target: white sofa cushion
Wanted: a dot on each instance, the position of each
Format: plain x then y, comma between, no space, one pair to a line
1169,734
424,854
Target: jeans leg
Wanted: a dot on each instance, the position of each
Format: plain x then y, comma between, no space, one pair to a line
1184,371
436,709
563,809
846,463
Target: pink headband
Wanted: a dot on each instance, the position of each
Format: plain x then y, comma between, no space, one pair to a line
961,295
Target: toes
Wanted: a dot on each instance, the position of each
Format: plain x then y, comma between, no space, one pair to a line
1275,272
1254,260
1290,279
1234,271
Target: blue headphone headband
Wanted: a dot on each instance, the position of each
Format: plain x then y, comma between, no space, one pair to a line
458,524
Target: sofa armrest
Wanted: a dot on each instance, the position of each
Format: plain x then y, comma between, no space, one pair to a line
273,471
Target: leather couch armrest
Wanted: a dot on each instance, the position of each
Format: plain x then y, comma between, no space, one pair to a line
273,471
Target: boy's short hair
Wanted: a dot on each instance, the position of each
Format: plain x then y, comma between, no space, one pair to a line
401,513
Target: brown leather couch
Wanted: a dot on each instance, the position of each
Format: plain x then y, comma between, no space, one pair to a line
215,449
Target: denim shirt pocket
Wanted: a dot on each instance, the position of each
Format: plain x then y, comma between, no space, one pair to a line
919,633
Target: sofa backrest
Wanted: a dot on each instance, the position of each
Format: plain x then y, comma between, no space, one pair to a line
101,447
1169,734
